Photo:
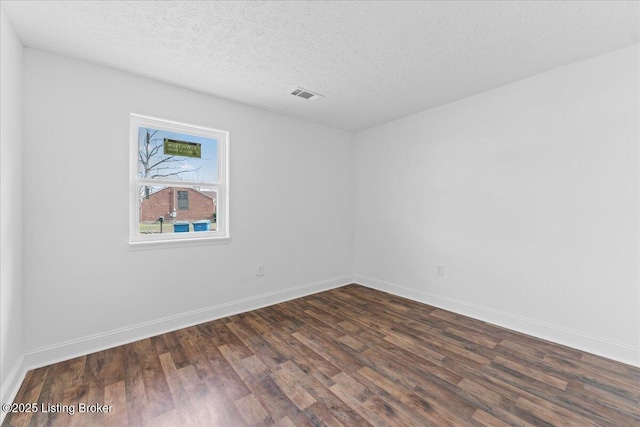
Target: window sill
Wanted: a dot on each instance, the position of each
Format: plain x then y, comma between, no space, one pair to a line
178,243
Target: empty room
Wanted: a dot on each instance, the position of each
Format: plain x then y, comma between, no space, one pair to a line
314,213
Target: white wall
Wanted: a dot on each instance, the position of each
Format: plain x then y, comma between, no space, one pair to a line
526,194
11,315
290,200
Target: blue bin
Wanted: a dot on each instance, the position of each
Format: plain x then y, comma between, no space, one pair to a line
201,225
181,227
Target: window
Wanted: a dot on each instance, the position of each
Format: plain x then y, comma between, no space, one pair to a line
183,201
178,182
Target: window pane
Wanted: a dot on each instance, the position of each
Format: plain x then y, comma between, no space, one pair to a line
196,215
183,200
176,156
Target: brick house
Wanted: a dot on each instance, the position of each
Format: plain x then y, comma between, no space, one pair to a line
187,203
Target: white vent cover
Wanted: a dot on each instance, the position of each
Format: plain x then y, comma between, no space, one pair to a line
306,94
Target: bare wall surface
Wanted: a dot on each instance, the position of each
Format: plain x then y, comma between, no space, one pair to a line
290,203
527,195
11,283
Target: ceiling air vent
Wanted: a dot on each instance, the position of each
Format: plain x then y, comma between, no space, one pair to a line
306,94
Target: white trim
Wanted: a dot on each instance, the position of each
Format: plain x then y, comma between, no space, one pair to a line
178,243
11,386
564,336
79,347
82,346
221,234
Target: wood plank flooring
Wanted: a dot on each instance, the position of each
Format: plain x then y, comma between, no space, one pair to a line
351,356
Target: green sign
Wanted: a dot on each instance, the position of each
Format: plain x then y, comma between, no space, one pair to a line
182,148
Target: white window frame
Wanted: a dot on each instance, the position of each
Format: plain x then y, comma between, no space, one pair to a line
221,234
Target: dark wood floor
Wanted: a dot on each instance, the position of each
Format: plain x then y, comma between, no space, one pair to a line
349,356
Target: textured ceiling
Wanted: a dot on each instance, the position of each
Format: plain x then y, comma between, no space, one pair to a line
373,61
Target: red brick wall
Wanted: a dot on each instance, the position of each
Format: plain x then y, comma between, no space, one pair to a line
161,203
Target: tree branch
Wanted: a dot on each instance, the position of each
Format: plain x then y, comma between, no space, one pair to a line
166,175
161,161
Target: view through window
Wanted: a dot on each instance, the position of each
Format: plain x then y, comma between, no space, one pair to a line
179,181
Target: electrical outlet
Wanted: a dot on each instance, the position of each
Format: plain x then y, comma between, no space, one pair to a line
260,272
439,270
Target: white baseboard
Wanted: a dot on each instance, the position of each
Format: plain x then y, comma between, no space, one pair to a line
595,345
90,344
79,347
12,384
